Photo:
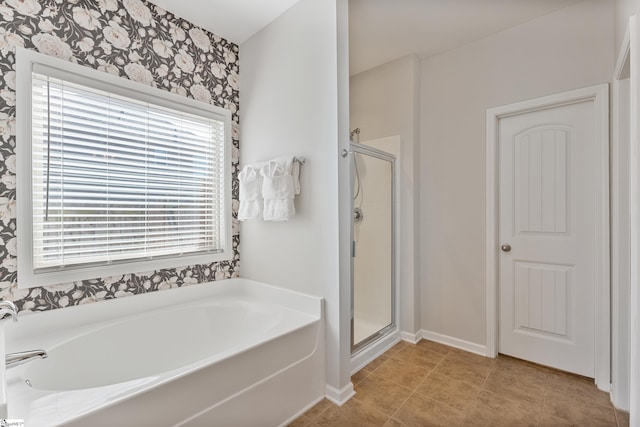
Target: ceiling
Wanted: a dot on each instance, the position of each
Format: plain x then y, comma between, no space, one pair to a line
234,20
383,30
379,30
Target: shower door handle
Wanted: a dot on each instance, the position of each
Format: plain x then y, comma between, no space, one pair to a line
353,249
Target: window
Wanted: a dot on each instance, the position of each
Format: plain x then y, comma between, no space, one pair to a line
115,177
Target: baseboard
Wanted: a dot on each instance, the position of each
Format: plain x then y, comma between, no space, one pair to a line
339,397
454,342
620,398
410,337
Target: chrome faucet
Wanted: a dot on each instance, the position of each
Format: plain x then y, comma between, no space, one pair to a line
19,358
8,308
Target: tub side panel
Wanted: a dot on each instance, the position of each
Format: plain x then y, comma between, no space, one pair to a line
181,400
277,401
272,402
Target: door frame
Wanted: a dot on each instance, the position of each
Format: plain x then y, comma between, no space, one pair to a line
360,148
620,372
634,203
392,146
599,95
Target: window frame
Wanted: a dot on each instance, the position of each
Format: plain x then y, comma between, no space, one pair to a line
28,278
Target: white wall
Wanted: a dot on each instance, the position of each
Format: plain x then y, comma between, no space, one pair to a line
620,245
384,101
621,256
624,9
289,96
621,292
565,50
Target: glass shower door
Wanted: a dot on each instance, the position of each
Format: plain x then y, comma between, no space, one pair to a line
373,267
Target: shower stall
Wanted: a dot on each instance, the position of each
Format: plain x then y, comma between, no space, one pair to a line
373,287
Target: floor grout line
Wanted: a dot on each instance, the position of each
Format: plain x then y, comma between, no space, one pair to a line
323,411
618,420
402,404
415,391
475,399
466,411
544,399
418,386
373,408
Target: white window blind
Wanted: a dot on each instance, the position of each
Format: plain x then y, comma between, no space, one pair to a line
116,179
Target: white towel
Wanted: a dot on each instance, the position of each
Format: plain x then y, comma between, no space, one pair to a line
290,167
250,183
278,191
278,210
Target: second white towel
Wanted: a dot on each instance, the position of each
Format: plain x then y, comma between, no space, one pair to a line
278,191
251,203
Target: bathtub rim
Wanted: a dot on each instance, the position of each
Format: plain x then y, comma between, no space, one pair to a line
30,324
72,335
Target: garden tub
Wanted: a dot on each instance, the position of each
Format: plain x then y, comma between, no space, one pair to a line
228,353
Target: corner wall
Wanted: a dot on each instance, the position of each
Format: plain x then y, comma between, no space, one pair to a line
624,9
565,50
290,107
621,256
385,101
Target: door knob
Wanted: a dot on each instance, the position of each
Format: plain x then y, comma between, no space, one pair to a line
506,248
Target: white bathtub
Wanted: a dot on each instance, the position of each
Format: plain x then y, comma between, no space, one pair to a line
229,353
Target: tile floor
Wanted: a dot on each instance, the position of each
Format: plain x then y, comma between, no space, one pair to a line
430,384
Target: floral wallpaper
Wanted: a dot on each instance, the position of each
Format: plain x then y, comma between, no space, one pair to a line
128,38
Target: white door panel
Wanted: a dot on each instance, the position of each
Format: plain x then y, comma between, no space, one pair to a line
540,294
547,216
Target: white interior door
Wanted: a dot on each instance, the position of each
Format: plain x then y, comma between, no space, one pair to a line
546,226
